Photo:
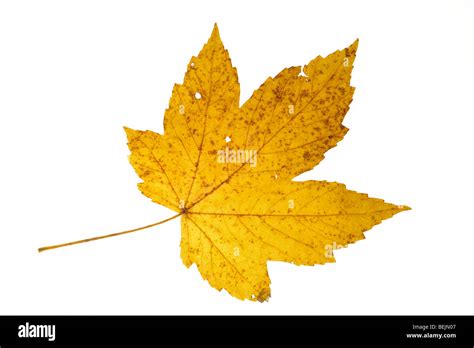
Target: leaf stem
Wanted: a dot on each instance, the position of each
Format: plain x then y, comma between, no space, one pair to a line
108,235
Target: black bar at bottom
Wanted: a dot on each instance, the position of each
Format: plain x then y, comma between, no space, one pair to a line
291,331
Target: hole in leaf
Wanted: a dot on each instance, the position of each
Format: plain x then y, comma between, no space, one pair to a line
228,139
197,95
302,73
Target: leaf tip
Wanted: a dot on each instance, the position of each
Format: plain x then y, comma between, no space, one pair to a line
353,47
130,132
403,207
263,296
215,31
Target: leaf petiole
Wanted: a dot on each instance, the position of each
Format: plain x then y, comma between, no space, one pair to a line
108,235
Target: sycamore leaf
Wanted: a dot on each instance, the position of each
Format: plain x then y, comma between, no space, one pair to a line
228,170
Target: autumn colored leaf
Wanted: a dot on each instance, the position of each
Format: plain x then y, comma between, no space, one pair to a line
227,171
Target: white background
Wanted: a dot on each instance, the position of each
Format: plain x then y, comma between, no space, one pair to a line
72,73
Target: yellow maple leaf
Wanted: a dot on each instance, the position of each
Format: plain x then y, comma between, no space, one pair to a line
227,171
